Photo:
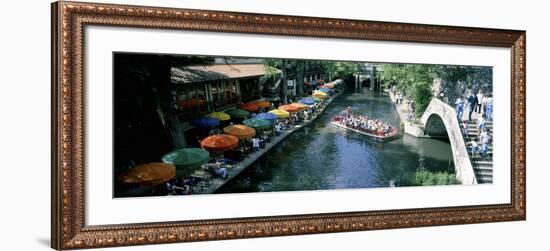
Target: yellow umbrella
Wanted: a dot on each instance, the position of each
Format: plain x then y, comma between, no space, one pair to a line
241,131
280,113
222,116
319,94
300,106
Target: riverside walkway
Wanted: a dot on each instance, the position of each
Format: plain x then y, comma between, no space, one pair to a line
213,183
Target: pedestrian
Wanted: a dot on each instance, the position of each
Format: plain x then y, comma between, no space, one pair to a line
472,100
480,124
459,106
397,98
256,144
464,128
489,107
473,147
479,97
485,139
484,104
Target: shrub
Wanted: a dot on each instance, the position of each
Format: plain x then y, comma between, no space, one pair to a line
427,178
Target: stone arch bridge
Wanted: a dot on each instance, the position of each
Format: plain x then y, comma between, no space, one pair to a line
440,120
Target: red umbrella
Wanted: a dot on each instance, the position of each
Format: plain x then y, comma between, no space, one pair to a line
220,142
251,107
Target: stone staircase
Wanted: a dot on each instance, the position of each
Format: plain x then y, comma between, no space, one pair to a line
483,167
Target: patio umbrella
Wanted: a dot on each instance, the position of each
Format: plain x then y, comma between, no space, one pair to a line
257,123
238,113
222,116
149,174
205,122
301,107
280,113
263,103
316,99
220,142
267,116
187,159
241,131
251,107
320,95
306,101
329,86
289,108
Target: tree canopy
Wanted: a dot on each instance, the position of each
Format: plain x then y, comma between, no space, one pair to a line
417,81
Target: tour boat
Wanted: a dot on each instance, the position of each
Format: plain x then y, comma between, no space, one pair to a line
337,121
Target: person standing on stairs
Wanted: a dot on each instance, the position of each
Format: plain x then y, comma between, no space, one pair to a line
485,139
472,100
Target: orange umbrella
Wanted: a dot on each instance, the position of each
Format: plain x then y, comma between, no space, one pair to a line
241,131
300,106
251,107
289,108
149,174
262,103
220,142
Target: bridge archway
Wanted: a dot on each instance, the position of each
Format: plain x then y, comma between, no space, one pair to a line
366,83
435,127
440,120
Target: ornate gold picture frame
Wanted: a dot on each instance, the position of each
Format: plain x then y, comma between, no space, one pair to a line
69,230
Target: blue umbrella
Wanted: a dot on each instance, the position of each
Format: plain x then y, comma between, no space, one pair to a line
205,122
267,116
306,101
325,90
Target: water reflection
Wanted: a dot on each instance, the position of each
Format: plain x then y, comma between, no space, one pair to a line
325,157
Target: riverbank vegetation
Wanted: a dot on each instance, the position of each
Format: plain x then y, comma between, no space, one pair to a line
427,178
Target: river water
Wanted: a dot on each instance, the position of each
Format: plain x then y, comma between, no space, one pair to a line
321,156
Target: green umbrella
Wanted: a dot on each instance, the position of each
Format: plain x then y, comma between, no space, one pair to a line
186,159
257,123
238,113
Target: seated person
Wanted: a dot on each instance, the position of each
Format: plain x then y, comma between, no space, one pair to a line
219,170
